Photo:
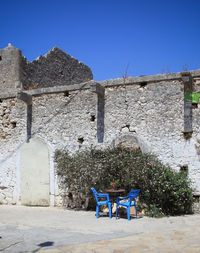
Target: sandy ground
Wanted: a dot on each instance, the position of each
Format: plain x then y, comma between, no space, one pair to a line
33,229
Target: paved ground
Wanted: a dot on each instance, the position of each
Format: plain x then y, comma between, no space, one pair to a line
52,230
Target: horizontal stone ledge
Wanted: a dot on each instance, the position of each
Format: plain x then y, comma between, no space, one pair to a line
151,78
106,83
49,90
59,89
8,95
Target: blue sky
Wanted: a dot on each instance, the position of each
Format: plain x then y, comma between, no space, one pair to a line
150,36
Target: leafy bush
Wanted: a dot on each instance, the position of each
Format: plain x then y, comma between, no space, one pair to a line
163,190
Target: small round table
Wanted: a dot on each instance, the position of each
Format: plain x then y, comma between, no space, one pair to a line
113,194
113,190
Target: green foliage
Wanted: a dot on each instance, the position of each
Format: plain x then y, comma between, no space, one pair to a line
163,190
153,211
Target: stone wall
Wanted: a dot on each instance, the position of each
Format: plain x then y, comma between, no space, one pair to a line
54,69
148,112
151,115
12,136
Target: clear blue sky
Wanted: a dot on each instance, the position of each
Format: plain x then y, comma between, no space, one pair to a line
152,36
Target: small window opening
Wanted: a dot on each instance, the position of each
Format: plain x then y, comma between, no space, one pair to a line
80,140
0,58
1,101
14,124
143,84
184,169
70,195
66,93
92,118
194,105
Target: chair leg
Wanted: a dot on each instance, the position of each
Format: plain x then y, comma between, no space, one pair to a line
110,210
97,211
128,213
136,212
116,211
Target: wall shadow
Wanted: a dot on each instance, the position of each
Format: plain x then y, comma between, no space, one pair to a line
29,122
188,87
100,116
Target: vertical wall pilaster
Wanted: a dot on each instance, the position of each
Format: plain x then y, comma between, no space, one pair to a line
188,87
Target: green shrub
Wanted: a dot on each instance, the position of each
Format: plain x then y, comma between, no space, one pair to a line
163,190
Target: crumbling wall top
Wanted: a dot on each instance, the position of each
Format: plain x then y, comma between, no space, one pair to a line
56,68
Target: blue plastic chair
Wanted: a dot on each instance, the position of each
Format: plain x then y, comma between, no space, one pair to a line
106,201
131,201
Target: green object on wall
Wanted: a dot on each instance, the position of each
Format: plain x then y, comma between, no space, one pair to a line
192,97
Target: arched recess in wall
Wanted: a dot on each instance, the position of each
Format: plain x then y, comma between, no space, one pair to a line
133,141
128,141
35,173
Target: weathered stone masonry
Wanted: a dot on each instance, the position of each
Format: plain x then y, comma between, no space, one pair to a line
149,112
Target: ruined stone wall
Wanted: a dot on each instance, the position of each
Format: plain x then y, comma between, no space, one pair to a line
12,136
18,118
150,116
145,114
54,69
192,152
154,114
64,121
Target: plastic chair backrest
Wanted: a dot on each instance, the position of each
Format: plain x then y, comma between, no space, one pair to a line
95,193
133,194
